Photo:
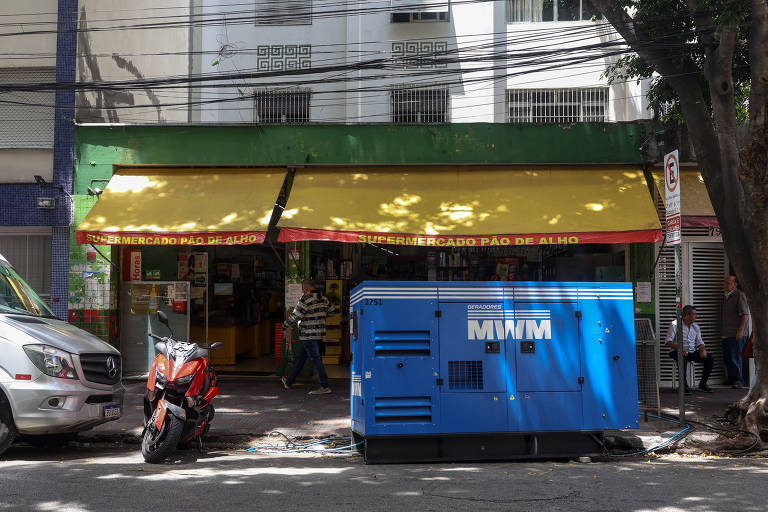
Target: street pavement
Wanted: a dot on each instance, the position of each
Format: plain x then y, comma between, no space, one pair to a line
104,469
93,479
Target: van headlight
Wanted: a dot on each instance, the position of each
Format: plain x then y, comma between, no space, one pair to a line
51,361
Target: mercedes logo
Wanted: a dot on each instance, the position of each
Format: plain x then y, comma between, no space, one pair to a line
111,365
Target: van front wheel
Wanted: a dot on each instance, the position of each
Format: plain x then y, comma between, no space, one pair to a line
7,428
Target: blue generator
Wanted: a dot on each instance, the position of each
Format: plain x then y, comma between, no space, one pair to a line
490,370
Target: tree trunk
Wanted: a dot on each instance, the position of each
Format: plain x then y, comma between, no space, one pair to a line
737,181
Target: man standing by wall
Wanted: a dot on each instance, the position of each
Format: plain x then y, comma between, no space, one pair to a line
734,316
309,314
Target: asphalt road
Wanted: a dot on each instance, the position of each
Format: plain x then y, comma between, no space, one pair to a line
117,479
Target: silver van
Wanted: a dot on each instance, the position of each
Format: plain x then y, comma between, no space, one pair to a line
54,377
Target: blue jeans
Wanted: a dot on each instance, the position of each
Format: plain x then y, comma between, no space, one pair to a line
310,350
732,352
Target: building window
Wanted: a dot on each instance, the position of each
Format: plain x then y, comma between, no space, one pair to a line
557,105
412,105
30,255
283,12
281,106
529,11
26,118
420,54
407,11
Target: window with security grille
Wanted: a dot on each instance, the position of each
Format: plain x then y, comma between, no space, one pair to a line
557,105
419,106
283,12
26,117
534,11
281,106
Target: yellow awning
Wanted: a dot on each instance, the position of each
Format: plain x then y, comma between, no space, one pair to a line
694,198
183,207
470,206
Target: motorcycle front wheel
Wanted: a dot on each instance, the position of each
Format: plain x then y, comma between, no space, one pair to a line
156,446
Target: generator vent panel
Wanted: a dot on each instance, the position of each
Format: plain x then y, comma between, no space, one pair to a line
402,343
405,409
465,375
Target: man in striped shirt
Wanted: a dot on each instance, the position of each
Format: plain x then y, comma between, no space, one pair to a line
309,315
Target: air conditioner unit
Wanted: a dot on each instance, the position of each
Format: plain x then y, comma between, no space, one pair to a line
405,11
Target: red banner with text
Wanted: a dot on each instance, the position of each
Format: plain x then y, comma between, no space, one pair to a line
608,237
198,238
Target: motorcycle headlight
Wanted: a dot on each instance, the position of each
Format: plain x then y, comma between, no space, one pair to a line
51,361
186,379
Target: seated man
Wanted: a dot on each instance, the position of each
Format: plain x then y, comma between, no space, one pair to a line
693,347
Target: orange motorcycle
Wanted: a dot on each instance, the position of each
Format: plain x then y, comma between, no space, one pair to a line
180,388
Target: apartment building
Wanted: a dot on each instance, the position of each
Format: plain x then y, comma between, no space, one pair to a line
412,62
36,140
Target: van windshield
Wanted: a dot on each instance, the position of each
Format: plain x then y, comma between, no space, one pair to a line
16,296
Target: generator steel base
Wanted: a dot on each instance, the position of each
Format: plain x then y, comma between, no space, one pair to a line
490,370
383,450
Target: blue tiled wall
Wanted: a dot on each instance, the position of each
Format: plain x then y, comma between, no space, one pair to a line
63,151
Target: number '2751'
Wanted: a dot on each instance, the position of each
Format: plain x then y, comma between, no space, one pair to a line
373,302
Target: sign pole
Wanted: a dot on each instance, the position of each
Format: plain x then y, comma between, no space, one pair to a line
674,237
679,332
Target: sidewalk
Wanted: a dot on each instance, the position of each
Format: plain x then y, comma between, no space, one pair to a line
247,408
251,408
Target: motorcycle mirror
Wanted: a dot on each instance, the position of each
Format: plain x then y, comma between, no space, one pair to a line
216,345
164,320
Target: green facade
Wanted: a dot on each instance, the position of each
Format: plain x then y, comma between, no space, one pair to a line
99,148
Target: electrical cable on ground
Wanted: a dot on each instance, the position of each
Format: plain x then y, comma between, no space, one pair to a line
294,446
686,431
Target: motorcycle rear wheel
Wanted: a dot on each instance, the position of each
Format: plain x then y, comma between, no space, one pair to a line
156,446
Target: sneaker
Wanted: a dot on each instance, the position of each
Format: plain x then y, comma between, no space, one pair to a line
320,391
284,380
705,388
737,386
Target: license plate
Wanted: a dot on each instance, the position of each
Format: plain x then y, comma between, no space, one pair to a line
111,411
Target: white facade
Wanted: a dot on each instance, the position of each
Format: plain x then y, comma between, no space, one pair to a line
485,57
122,41
26,132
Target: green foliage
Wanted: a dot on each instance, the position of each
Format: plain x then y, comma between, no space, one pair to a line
670,26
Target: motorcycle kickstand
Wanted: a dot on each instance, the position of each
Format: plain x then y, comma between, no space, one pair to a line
200,444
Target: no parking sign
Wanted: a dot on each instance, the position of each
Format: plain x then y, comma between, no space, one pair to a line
672,197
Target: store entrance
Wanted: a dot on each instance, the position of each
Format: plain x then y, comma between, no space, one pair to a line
234,293
240,305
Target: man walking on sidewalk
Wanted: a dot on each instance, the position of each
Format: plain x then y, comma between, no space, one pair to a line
309,315
735,314
693,348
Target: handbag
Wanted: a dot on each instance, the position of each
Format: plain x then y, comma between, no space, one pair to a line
748,346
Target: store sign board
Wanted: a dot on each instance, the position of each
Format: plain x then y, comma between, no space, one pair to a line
609,237
672,197
134,266
127,238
